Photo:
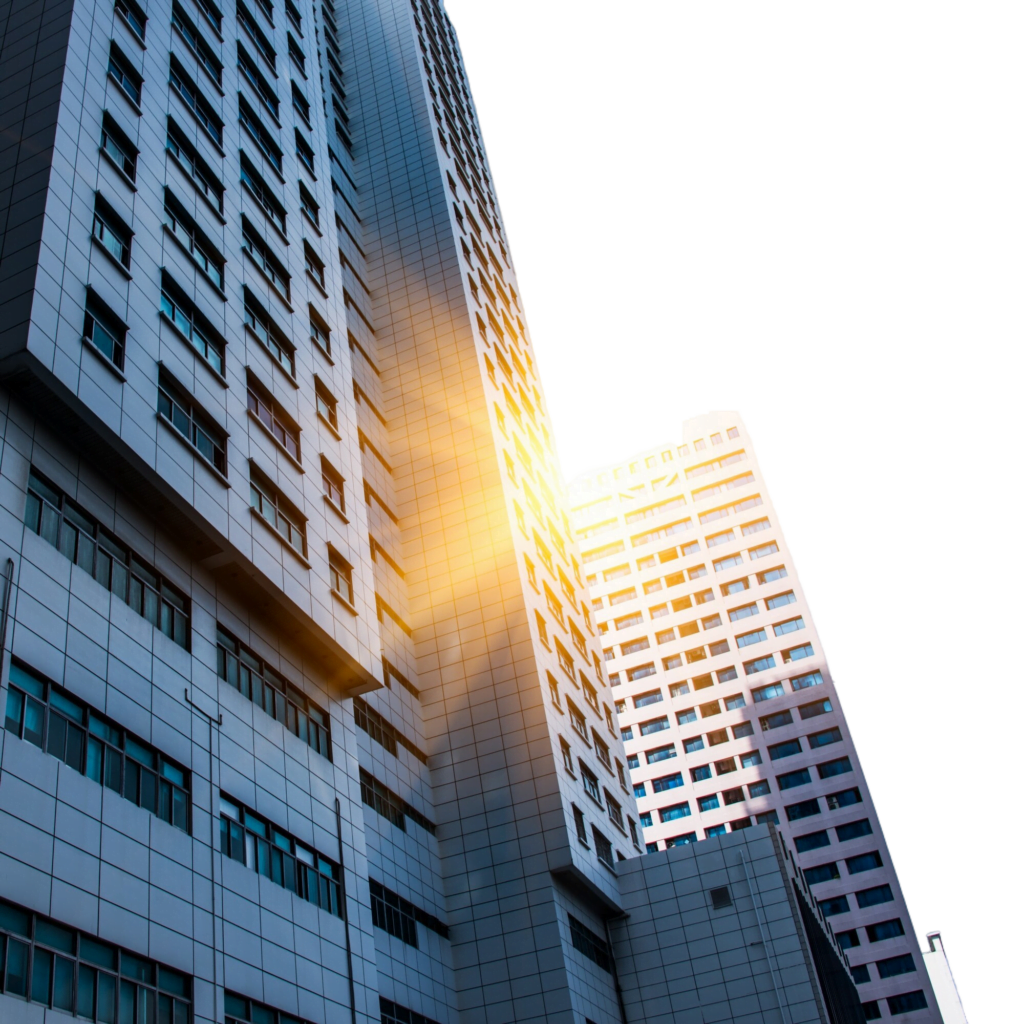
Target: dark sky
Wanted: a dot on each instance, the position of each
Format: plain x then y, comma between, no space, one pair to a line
802,215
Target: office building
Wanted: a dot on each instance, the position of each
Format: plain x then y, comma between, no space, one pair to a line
305,718
724,699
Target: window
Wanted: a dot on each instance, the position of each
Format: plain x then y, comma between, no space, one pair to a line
907,1002
763,550
259,252
789,626
341,577
181,412
830,769
718,647
326,404
836,905
781,750
701,773
642,700
797,653
693,744
702,597
281,427
200,48
603,848
257,187
708,803
735,702
120,69
263,89
767,692
742,730
853,830
334,485
730,562
115,145
760,788
772,575
620,596
71,530
735,587
260,41
864,862
733,796
811,841
111,232
780,600
277,512
636,646
895,965
777,721
755,637
395,1013
262,847
805,809
666,782
201,176
260,135
751,759
871,1010
885,930
104,330
714,539
590,945
189,94
660,754
815,709
803,682
44,957
743,612
755,527
52,719
641,672
823,739
590,783
874,896
179,310
633,761
133,16
674,812
639,790
695,654
274,340
281,699
653,725
389,804
314,266
759,665
240,1010
859,972
398,917
844,798
304,152
296,54
790,780
187,233
310,207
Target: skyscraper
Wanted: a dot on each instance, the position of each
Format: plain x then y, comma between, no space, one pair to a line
728,710
305,719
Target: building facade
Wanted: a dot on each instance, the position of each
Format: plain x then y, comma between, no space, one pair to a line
943,983
726,705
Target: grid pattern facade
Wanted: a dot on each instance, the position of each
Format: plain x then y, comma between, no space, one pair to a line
725,702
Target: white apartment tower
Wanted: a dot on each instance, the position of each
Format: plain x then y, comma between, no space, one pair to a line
728,710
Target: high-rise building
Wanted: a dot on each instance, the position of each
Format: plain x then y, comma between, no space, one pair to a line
305,719
724,698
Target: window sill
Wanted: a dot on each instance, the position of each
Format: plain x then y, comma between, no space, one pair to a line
161,418
280,447
111,258
264,160
131,30
206,199
124,92
313,224
284,544
220,378
121,172
328,424
284,373
337,509
344,601
323,351
266,277
112,367
178,242
204,131
199,63
278,230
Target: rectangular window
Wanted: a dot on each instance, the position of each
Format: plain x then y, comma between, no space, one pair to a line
885,930
874,896
743,612
742,729
263,407
735,702
326,403
864,862
333,484
277,512
755,637
790,780
805,681
836,905
189,94
314,265
78,536
815,709
687,716
590,783
304,152
777,721
805,809
674,812
661,754
780,600
193,240
398,917
259,40
772,575
260,253
261,324
255,184
263,89
763,550
180,411
811,841
780,750
844,798
281,699
241,1010
133,15
755,527
906,1002
853,830
589,944
111,232
116,146
52,719
721,564
759,664
341,577
120,69
187,156
182,313
760,788
260,135
718,647
797,653
201,49
642,700
789,626
262,847
104,330
768,692
389,804
824,739
653,725
830,769
70,971
708,803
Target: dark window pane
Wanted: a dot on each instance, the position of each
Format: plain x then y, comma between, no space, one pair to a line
42,966
16,982
63,984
